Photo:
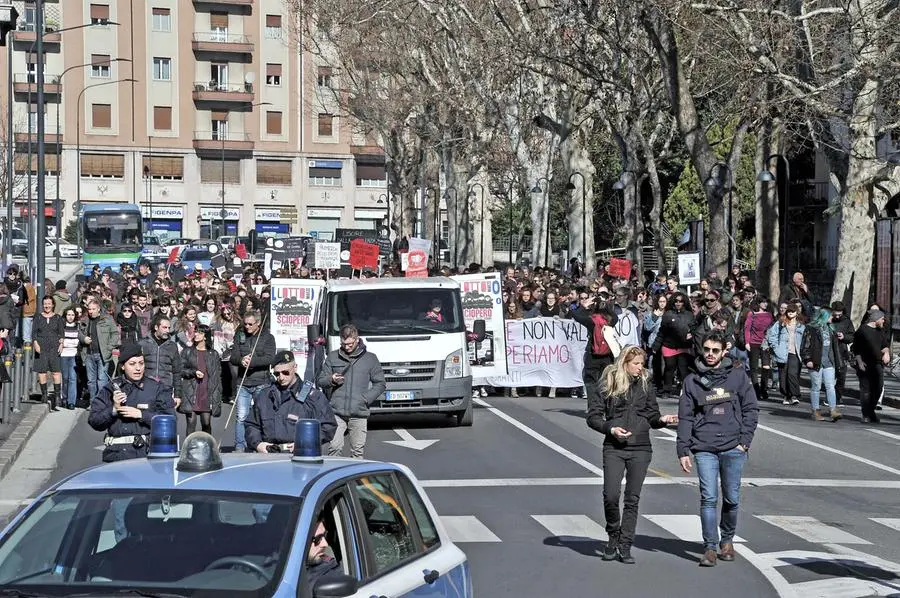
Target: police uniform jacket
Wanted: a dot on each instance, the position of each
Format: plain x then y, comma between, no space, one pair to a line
276,411
151,397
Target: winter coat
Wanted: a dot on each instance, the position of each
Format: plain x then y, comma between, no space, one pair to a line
718,410
107,337
755,327
276,411
144,316
637,412
9,313
673,330
652,324
129,331
845,327
777,339
189,380
63,302
162,363
258,372
363,381
812,346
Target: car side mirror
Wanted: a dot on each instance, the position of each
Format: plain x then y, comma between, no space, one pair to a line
479,330
336,586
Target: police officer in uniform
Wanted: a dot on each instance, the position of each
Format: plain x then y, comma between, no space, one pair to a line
272,421
125,406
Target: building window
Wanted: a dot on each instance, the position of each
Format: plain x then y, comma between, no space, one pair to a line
273,123
167,168
273,26
218,26
162,69
106,166
162,118
323,76
21,164
99,14
100,66
325,127
101,116
219,126
273,172
162,19
211,170
370,175
324,177
273,75
218,76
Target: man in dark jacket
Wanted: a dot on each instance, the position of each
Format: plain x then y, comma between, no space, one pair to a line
844,330
354,380
162,362
717,418
271,425
796,290
253,353
8,311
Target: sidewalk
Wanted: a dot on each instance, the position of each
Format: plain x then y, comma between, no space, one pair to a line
22,425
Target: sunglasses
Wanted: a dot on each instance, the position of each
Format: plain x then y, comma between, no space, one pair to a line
710,300
281,372
713,350
317,539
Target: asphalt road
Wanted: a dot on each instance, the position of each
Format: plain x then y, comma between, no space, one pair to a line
521,492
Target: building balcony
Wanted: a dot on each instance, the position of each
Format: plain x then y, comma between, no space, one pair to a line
25,35
221,93
25,83
26,138
222,44
214,143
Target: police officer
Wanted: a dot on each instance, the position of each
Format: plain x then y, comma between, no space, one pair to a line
271,423
125,406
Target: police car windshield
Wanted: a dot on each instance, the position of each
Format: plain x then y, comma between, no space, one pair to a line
396,311
164,542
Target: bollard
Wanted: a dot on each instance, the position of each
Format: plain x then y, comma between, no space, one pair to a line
18,381
28,376
5,393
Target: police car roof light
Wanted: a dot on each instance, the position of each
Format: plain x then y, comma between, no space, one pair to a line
163,437
308,441
199,453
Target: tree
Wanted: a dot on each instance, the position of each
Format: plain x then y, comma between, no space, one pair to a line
70,233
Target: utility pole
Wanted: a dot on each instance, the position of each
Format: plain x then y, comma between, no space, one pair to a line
41,238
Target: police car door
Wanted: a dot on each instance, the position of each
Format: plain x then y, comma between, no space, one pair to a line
407,553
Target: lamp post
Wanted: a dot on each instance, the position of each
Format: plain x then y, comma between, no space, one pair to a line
510,196
435,243
223,135
570,186
621,185
10,16
456,218
472,194
766,176
716,182
538,189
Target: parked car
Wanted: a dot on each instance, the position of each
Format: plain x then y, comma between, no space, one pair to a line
19,241
64,249
153,250
196,254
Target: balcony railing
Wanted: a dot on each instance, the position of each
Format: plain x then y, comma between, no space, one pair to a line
25,82
26,32
223,87
26,137
215,41
215,141
213,91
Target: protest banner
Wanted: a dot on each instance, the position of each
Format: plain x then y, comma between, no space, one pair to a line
417,266
327,256
363,255
689,267
542,352
292,307
415,243
482,299
620,268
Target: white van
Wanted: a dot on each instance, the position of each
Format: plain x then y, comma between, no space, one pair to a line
19,241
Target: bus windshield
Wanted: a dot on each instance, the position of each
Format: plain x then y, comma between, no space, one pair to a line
396,311
112,232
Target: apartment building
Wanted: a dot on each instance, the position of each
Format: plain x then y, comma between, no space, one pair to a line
197,108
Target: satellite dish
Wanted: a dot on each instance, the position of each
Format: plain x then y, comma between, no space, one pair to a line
250,78
213,248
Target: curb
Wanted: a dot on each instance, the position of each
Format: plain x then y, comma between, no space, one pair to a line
891,402
13,446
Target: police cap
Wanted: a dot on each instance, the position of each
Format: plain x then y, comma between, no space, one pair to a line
283,357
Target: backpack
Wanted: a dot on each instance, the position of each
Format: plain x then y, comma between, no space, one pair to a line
599,345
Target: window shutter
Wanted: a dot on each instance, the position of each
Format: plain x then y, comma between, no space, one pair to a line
31,58
109,165
273,172
51,164
273,70
101,116
218,20
100,59
162,118
328,173
100,11
211,171
273,21
370,172
164,166
218,115
326,125
273,123
161,11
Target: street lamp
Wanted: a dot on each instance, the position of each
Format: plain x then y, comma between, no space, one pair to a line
766,176
472,194
570,186
8,17
621,185
538,189
714,182
222,137
511,214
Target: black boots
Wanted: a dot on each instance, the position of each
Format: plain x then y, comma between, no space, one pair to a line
625,555
611,551
49,398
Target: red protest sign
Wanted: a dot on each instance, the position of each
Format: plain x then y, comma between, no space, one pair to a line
363,255
620,268
240,250
417,264
173,255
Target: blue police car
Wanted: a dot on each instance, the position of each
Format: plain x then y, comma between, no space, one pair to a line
197,523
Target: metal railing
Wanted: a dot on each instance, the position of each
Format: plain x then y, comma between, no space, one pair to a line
223,87
31,79
217,136
216,37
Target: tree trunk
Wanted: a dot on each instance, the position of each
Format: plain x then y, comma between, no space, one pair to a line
768,215
580,172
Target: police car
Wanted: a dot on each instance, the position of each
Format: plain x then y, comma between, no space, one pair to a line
203,524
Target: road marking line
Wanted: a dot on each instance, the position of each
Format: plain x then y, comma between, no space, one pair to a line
885,434
828,449
15,502
509,482
767,568
465,528
891,523
578,528
812,530
842,587
542,439
683,527
663,480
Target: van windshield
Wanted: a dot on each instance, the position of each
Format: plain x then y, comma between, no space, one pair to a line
397,311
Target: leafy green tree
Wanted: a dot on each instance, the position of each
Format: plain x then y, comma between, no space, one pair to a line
70,233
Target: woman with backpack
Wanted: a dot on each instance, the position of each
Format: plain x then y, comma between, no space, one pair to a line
674,342
755,325
785,337
602,345
820,351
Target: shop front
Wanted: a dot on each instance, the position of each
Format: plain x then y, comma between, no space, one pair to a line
322,222
210,220
271,220
369,217
166,222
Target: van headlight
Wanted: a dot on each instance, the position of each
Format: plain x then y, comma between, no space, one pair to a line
453,365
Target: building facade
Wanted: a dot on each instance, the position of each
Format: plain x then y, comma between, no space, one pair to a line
208,111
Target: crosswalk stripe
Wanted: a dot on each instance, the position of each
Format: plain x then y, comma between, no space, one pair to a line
891,523
466,528
683,527
812,530
573,527
842,587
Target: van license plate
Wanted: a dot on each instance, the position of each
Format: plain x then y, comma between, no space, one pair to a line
405,395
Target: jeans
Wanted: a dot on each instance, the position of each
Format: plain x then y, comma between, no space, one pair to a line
633,465
357,427
243,401
97,374
69,380
816,377
710,466
118,507
27,326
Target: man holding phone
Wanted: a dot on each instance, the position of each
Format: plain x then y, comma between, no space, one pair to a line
352,379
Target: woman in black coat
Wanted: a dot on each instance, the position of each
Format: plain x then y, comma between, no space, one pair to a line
624,411
201,387
46,334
